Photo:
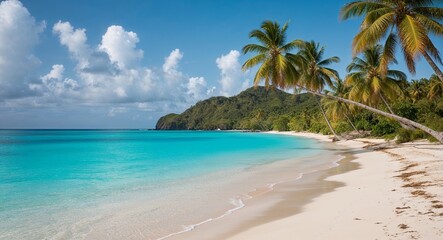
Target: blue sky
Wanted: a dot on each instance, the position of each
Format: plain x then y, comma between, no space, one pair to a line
123,64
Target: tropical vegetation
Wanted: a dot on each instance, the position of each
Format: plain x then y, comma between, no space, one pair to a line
297,80
372,98
404,23
258,109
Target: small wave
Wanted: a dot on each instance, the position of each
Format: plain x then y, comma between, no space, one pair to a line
237,202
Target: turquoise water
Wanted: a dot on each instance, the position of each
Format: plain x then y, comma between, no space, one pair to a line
46,173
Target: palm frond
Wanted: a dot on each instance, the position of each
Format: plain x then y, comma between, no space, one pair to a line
329,61
261,37
412,35
254,48
397,75
254,61
419,3
433,51
430,24
388,55
359,8
435,13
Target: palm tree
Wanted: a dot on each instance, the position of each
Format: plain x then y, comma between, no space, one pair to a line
435,88
314,71
367,83
267,71
334,108
407,23
417,89
273,55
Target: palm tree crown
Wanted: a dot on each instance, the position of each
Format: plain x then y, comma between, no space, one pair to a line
315,74
368,85
435,88
407,23
335,108
314,71
273,53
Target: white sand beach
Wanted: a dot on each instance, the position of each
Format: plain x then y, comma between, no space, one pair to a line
397,193
382,190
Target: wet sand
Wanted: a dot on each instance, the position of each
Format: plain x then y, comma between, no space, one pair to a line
379,191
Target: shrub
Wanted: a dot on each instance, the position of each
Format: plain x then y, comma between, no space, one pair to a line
296,125
383,127
342,127
406,109
404,135
318,127
434,121
281,123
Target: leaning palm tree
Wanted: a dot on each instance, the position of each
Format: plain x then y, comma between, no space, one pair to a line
407,23
315,73
368,84
266,72
273,55
435,88
334,108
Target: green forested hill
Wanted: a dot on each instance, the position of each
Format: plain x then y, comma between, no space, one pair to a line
254,108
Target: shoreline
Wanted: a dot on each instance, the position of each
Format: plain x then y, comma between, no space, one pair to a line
397,193
307,186
378,191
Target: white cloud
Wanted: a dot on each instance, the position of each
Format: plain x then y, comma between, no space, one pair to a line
112,73
73,39
19,34
197,88
120,45
55,73
231,76
170,67
106,73
120,92
54,84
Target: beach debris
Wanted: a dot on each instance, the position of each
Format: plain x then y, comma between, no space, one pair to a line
422,193
403,226
408,167
417,184
407,175
402,207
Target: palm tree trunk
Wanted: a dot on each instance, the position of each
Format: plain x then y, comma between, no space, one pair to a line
350,122
349,119
386,103
433,65
390,110
327,120
436,134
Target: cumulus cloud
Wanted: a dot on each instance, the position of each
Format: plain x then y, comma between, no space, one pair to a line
231,76
55,73
120,45
112,73
54,84
108,74
197,88
170,67
19,34
73,39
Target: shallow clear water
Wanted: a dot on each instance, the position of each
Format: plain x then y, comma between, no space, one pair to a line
67,183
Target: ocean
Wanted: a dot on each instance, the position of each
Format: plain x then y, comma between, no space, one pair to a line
137,184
